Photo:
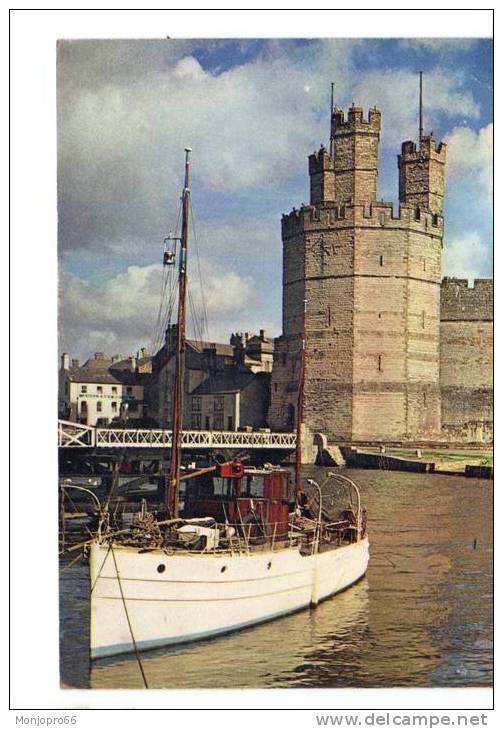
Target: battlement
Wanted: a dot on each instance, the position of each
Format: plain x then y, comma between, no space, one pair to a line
429,149
320,161
355,121
460,301
375,214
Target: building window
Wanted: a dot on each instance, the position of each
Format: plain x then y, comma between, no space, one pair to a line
195,421
417,214
114,407
83,407
434,219
230,423
218,421
114,390
196,403
129,390
207,423
218,404
83,388
99,389
98,406
379,363
133,407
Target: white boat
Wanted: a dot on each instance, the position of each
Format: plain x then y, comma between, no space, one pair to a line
197,596
247,548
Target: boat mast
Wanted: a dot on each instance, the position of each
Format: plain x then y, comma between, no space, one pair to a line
300,405
177,419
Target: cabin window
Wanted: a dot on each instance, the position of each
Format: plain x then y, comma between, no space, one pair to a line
379,363
255,486
98,406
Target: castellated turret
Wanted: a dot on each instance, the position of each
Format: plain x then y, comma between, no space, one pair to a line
422,175
371,279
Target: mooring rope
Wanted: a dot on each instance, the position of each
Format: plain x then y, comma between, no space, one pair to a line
128,620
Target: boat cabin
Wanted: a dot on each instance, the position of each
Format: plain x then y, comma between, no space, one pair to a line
256,499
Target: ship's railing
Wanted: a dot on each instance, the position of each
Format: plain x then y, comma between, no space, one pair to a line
71,435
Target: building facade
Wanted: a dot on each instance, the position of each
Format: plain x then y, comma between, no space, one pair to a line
226,386
371,282
101,391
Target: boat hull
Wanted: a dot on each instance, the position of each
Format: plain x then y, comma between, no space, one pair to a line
163,599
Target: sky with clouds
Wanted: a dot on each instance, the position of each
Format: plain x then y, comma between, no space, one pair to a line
252,111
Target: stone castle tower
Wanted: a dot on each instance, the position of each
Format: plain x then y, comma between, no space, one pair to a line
371,282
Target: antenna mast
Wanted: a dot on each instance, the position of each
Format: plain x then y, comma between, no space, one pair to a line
331,111
420,107
177,420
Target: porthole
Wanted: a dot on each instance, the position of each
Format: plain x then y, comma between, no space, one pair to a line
222,569
161,567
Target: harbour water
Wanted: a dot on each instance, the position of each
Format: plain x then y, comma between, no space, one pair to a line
422,616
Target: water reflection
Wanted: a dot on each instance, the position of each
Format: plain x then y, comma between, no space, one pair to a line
421,617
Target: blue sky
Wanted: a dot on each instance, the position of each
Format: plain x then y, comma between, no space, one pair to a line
252,111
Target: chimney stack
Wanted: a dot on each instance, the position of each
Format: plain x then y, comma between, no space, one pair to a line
65,361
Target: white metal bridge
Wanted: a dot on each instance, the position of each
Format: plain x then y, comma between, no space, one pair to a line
75,435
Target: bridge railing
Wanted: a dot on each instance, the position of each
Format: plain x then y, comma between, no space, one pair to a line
76,435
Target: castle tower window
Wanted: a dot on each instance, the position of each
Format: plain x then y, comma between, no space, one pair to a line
423,319
434,219
284,358
424,398
379,363
417,214
380,260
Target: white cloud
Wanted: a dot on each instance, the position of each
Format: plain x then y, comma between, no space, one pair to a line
127,111
470,157
467,257
120,314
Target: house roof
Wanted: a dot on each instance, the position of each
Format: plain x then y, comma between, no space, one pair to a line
94,375
232,379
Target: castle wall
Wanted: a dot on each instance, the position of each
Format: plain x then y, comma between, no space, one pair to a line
466,360
388,358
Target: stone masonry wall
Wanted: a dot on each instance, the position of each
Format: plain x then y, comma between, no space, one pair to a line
466,360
